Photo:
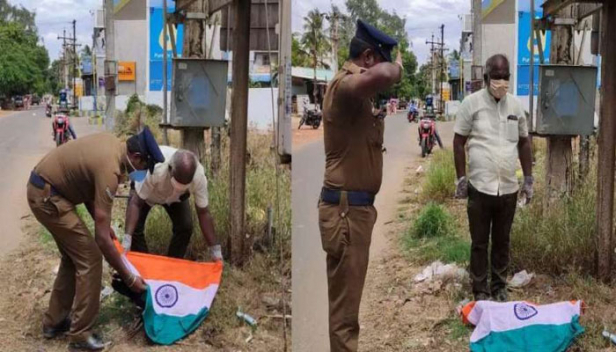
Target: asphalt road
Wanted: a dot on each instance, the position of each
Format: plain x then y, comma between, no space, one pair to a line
309,278
25,137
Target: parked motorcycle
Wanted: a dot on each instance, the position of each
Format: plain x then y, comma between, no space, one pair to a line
311,117
60,128
427,135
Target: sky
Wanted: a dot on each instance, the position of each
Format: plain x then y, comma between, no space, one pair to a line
53,16
423,17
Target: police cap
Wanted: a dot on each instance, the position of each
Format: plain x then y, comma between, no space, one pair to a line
378,40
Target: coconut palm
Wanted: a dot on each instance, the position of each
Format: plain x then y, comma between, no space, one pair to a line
316,42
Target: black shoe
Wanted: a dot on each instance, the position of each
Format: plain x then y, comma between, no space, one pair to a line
482,297
501,295
93,343
52,332
120,287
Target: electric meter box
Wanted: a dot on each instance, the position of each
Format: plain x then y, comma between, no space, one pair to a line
199,93
566,100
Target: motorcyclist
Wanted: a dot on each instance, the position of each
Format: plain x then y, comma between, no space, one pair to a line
69,126
436,135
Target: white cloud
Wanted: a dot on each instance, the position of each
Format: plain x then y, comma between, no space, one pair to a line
53,16
423,17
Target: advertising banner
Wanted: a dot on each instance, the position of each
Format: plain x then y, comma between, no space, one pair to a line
524,47
156,37
126,70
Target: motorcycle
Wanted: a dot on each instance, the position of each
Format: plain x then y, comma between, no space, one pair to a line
60,128
311,117
427,135
412,116
48,110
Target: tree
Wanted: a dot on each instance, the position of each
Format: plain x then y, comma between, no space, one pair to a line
299,56
316,42
367,10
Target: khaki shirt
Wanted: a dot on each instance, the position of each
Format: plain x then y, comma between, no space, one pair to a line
86,169
157,187
353,139
493,130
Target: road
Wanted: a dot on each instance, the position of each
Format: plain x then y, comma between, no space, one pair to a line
309,278
25,137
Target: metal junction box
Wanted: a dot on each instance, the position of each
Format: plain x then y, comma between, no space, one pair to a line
566,100
199,93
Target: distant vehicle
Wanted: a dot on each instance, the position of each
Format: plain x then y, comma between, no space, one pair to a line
36,100
18,101
311,116
402,104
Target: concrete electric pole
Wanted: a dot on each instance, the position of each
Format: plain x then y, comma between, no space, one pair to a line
110,77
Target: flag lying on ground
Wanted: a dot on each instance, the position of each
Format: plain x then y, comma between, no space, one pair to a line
522,326
179,295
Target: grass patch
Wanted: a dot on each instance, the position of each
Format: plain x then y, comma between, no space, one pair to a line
560,238
434,236
439,184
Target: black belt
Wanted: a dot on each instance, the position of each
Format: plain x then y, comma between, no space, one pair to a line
354,198
38,182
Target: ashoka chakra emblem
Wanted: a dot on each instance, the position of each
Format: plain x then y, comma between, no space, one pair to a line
524,311
166,296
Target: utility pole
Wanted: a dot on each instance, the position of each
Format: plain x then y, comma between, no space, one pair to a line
194,32
607,146
476,10
559,170
239,125
431,42
165,73
333,18
74,64
442,68
110,77
284,83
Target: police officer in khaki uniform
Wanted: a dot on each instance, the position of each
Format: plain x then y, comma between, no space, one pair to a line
353,172
85,171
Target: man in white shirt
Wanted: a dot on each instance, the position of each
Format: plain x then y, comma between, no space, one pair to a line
170,185
494,124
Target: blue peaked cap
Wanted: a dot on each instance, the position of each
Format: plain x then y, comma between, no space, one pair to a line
380,41
149,148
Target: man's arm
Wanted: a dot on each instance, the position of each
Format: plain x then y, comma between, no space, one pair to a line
524,152
102,221
132,212
459,154
376,79
206,222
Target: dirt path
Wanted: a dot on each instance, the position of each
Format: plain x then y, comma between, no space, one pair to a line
305,135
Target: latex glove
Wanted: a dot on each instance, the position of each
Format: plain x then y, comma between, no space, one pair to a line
461,188
216,253
527,188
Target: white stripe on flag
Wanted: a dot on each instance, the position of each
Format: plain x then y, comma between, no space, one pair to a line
494,317
177,299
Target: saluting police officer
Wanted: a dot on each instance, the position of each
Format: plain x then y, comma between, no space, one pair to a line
85,171
353,172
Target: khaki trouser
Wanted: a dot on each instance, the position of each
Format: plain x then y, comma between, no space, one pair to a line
346,232
78,283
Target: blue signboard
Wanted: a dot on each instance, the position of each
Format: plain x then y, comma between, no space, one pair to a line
157,52
86,65
524,46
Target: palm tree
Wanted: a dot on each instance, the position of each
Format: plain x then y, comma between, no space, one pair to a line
316,42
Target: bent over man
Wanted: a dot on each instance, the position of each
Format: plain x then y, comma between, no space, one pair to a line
85,171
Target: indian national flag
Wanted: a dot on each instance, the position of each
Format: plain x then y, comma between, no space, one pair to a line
522,326
179,295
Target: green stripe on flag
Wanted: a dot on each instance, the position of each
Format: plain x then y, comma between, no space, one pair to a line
532,338
167,329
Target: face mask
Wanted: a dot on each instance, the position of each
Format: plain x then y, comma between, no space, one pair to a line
179,187
498,88
136,175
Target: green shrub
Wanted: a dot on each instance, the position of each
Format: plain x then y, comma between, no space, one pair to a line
433,221
439,184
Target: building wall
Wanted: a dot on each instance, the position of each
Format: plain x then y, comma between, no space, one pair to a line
129,48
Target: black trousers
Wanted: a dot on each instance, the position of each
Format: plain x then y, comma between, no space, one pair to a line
181,218
490,215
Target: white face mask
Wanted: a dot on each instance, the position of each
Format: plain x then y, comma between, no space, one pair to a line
178,187
499,88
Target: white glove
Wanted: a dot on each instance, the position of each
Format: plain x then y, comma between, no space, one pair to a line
527,188
461,188
126,242
216,253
